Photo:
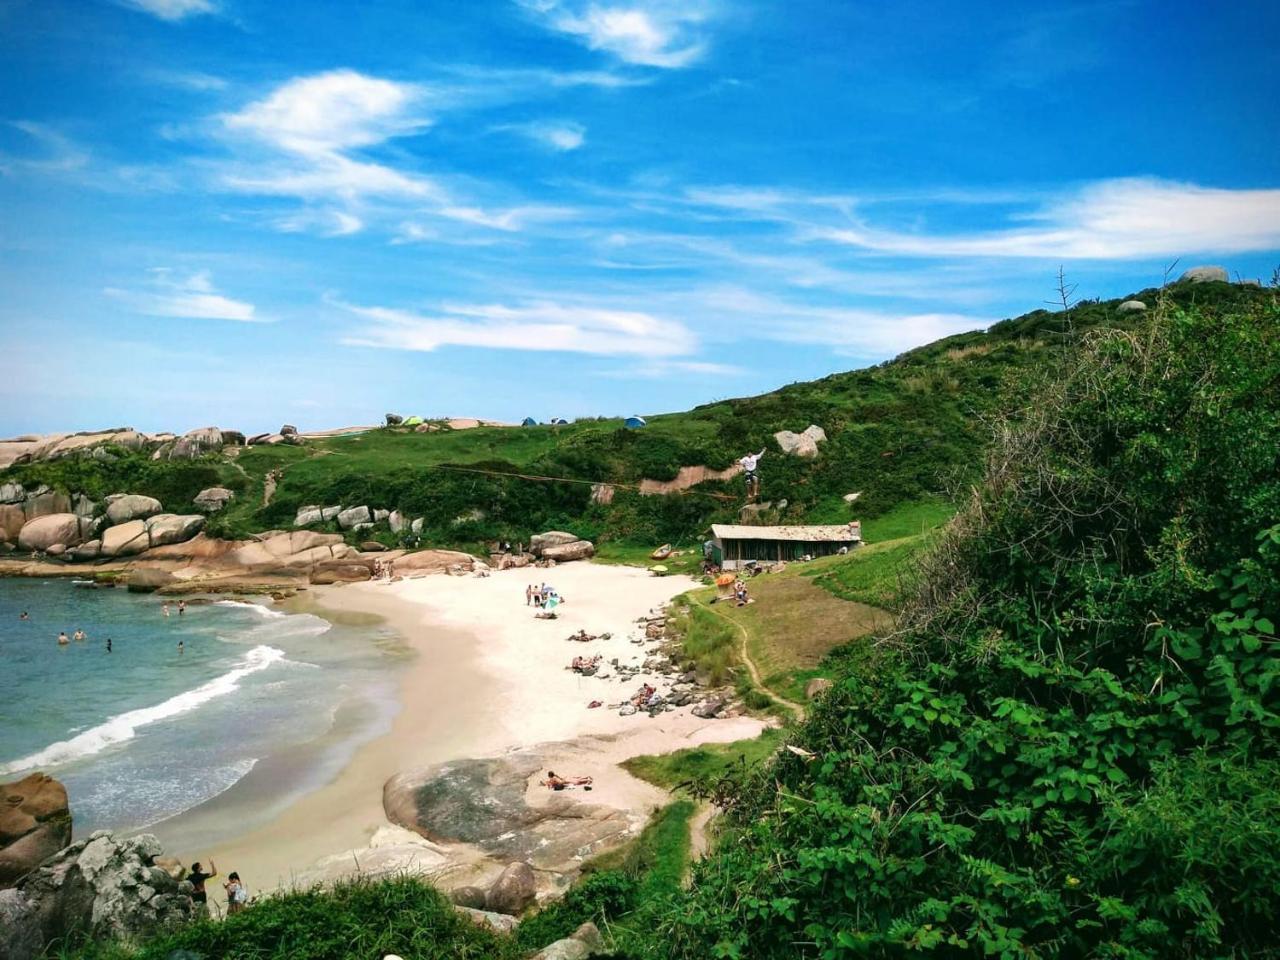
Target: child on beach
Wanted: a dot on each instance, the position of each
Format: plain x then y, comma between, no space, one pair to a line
237,895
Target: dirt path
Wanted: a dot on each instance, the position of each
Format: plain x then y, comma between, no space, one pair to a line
744,652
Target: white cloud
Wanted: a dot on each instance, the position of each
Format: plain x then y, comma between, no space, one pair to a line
330,112
1110,220
561,135
663,369
191,296
173,10
59,155
653,33
508,220
534,326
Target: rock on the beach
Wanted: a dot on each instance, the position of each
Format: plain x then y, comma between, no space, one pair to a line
1204,274
513,891
552,538
1131,306
347,570
212,499
576,550
104,887
709,708
43,532
121,508
425,562
803,444
88,550
11,521
35,823
148,580
354,517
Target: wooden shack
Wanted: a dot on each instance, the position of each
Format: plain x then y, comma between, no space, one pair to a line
735,546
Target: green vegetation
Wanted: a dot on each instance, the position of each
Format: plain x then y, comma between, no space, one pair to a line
1069,745
355,919
706,764
708,643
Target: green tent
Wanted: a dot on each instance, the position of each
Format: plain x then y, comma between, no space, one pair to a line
411,421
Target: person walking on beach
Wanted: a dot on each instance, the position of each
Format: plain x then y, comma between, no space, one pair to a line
528,595
237,895
196,878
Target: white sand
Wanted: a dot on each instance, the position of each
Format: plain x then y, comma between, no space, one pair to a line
488,678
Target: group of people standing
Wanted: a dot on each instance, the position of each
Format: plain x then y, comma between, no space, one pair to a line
542,597
237,892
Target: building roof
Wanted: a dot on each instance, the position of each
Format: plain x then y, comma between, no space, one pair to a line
821,533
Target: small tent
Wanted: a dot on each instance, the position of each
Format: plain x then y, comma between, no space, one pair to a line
560,422
411,421
635,423
528,422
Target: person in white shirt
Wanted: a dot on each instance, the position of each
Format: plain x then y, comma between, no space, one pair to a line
749,463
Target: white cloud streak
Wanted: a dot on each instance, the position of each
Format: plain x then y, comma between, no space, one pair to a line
173,10
191,296
533,326
562,135
651,33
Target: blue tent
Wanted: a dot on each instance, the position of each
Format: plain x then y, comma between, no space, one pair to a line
635,423
528,422
560,421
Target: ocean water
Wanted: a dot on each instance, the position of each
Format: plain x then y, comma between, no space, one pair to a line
146,732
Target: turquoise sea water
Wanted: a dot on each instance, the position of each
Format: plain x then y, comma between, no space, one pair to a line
145,732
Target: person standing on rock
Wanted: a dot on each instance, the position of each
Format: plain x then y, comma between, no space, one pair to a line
196,878
749,464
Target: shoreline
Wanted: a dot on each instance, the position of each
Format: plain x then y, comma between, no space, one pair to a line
485,680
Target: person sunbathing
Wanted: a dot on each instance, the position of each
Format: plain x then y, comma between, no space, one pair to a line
554,782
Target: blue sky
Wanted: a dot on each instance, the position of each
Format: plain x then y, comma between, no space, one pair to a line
239,213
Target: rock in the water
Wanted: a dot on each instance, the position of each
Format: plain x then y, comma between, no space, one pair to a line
121,508
212,499
57,550
64,528
1204,274
148,580
35,823
552,538
816,687
513,891
353,517
801,444
1131,306
472,897
576,550
104,887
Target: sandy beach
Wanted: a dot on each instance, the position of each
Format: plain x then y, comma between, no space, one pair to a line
486,678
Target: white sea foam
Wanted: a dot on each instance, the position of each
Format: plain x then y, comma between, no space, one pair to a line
259,608
124,727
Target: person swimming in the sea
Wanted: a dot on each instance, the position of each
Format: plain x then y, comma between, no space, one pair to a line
108,644
62,639
24,615
78,635
181,647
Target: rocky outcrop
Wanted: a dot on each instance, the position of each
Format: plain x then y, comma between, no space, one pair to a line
105,887
685,478
82,506
132,538
513,891
349,570
577,550
12,493
123,507
213,499
59,528
297,550
552,538
44,503
194,443
354,518
125,539
98,444
35,823
315,514
584,942
425,562
1131,306
1204,274
801,444
11,521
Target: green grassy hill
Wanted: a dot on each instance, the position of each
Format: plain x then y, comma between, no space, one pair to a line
905,431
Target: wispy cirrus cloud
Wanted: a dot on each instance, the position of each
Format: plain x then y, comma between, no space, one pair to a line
535,325
559,135
54,154
186,296
651,33
173,10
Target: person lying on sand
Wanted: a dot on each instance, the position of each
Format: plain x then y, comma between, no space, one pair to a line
643,696
546,615
583,664
554,782
581,636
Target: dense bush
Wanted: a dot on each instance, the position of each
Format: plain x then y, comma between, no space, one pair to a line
1070,746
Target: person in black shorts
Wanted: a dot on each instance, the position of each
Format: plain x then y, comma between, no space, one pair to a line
196,878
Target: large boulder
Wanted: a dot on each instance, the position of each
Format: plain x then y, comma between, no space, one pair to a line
425,562
102,887
11,522
148,580
584,942
1131,306
232,438
194,443
212,499
552,538
300,549
12,493
64,528
576,550
45,503
82,506
89,550
803,444
125,539
166,528
123,507
513,891
1204,274
313,513
346,570
35,823
354,518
